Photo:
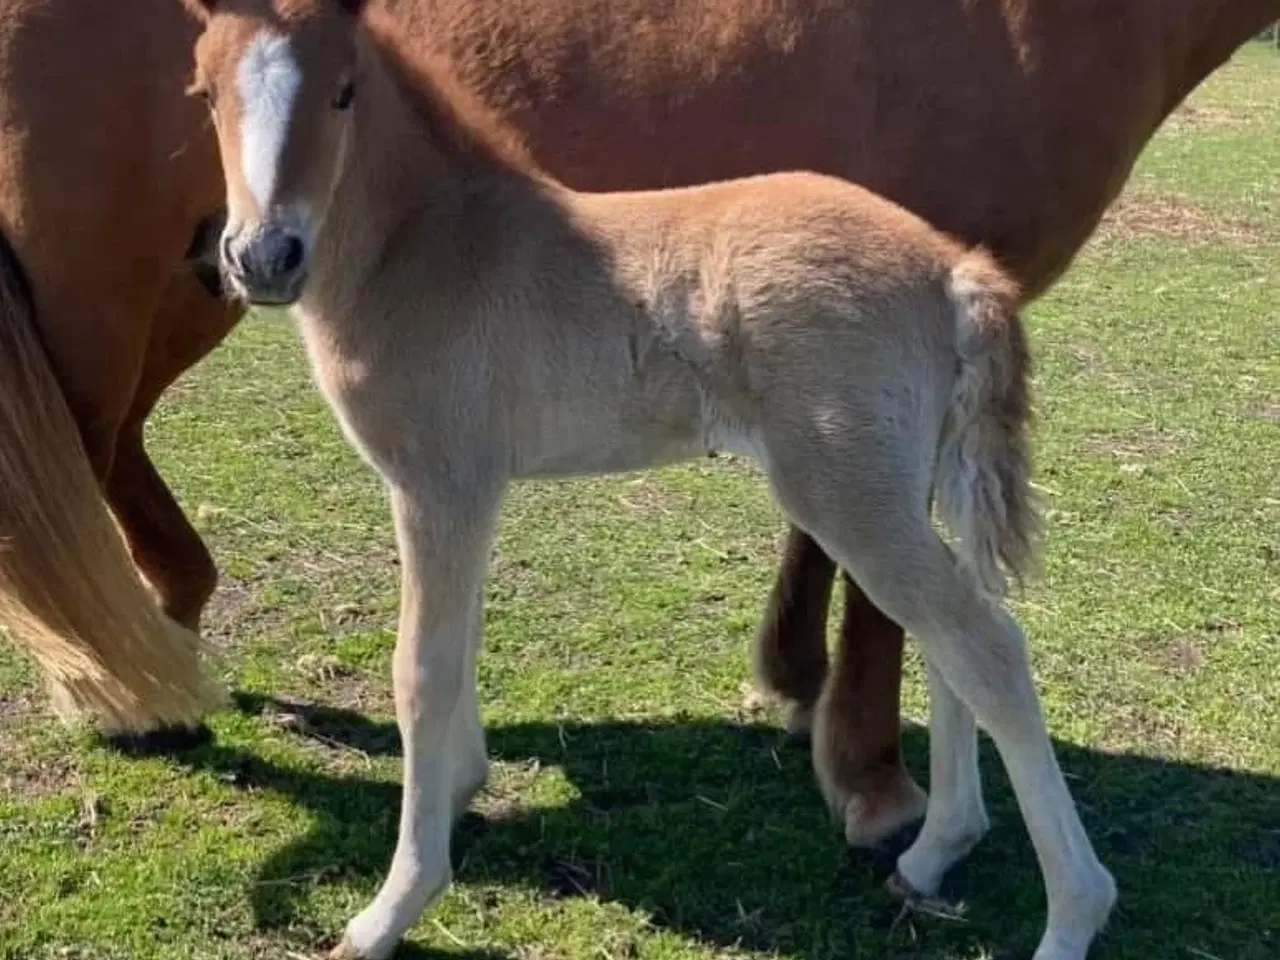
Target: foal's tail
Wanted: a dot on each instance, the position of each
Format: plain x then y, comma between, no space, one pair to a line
983,475
69,592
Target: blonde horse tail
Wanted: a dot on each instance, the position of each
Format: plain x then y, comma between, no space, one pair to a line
983,475
69,592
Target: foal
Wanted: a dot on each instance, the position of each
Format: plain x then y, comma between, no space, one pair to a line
472,322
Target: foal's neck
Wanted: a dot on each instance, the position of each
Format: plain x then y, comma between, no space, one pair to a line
426,174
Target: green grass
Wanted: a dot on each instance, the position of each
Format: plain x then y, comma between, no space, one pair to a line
642,806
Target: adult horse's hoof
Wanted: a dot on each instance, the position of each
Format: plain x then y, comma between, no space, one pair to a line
872,816
162,740
799,721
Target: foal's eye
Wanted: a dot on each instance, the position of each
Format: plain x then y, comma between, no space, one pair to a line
345,96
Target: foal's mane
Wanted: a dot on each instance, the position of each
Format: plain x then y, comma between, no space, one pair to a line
458,123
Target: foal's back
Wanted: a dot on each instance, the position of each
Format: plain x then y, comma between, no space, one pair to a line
667,323
764,266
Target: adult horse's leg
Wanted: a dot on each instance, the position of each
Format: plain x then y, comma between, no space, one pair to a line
164,545
68,590
857,743
791,647
191,321
857,735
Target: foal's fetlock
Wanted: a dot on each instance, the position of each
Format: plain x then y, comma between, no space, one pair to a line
375,932
924,864
1075,919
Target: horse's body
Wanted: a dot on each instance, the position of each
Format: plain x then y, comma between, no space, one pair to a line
471,321
106,174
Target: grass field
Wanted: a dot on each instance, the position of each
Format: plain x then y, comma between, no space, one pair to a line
644,806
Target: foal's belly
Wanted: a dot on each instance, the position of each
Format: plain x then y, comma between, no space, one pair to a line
649,421
565,442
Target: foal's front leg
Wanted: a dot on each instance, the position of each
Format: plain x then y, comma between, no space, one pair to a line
443,548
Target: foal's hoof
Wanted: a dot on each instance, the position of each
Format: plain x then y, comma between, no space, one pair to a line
871,817
345,951
162,740
912,899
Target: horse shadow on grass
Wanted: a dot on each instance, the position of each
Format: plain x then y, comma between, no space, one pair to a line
716,832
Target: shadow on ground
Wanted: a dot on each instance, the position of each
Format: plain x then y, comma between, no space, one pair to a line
716,831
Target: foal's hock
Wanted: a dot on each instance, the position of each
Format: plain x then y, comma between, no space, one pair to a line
473,322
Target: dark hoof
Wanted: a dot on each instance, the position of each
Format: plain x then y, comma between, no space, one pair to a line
882,858
162,740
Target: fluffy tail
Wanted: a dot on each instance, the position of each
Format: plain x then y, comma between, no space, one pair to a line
983,480
69,592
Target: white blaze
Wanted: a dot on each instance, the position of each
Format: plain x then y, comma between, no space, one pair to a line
267,80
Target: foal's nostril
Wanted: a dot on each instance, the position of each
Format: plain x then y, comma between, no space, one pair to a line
291,258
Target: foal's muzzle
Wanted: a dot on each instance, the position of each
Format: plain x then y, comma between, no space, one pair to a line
265,264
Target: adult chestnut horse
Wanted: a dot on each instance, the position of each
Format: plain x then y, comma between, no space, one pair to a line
108,176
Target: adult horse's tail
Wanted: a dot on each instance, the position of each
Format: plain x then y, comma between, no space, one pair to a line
69,592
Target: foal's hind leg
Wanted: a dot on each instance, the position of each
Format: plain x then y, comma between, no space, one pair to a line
980,653
957,818
884,539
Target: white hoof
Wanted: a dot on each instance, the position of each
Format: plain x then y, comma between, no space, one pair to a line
1076,919
345,951
924,864
375,932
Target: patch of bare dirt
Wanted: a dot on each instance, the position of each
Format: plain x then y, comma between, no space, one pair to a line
570,877
1134,446
230,608
1159,733
503,798
1140,213
1269,412
1183,654
14,706
510,577
30,777
649,499
26,770
1194,116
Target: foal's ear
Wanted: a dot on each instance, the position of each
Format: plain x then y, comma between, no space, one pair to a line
202,10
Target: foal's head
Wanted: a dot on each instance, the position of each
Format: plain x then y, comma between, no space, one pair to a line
279,77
